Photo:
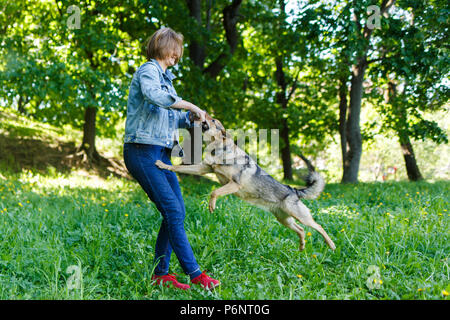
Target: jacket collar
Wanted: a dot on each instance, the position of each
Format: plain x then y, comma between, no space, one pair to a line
168,73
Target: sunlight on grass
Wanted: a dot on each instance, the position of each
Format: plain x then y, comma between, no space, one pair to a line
108,226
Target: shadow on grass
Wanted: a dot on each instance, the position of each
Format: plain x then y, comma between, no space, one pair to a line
21,152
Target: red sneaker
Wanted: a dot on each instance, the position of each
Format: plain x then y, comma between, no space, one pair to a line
206,281
169,279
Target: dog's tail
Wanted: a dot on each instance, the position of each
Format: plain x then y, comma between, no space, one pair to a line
314,183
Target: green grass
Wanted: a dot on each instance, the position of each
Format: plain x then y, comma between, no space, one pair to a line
49,222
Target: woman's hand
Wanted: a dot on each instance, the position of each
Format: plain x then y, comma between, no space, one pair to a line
199,113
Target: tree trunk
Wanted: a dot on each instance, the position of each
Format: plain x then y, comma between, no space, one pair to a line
196,48
284,134
412,169
20,105
88,144
230,20
197,53
343,105
353,130
286,151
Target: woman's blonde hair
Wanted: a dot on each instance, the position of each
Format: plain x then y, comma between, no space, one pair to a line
163,43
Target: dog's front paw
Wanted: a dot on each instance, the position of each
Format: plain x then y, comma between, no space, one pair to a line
212,204
302,246
162,165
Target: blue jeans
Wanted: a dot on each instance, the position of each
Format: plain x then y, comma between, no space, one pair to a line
163,189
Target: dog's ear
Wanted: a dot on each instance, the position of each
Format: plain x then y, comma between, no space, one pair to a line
220,126
208,116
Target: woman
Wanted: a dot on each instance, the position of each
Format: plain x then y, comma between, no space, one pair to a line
153,116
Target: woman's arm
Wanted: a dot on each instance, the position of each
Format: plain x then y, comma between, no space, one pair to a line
183,104
151,89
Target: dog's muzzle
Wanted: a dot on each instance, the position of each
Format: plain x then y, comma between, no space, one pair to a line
205,126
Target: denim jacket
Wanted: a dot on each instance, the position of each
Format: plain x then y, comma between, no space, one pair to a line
150,118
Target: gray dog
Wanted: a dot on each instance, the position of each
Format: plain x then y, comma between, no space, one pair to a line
239,174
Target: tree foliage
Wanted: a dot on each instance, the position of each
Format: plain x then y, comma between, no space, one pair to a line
306,68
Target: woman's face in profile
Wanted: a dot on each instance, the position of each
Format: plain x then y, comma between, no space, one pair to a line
171,59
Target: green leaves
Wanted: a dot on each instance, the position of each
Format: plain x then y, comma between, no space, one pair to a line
415,62
424,129
59,72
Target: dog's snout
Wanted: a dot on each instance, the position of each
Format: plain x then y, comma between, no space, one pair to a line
205,126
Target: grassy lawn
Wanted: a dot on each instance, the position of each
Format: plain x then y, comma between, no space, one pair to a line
392,238
392,242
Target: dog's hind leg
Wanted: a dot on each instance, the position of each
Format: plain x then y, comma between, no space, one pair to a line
290,223
230,187
300,212
195,169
